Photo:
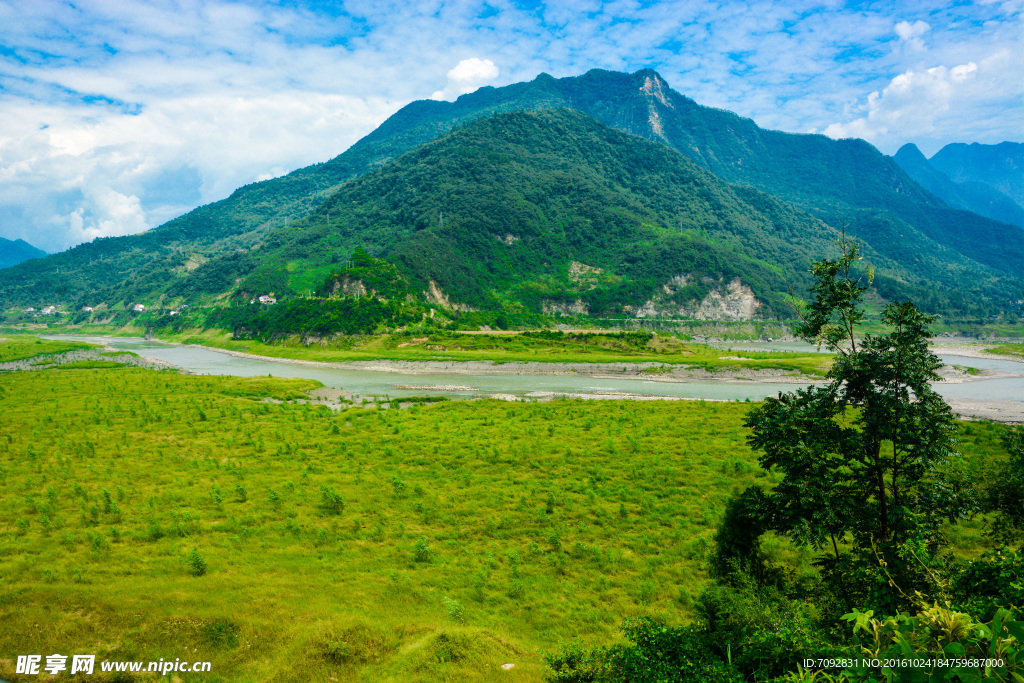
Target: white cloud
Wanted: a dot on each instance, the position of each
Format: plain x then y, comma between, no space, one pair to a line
467,76
928,105
120,114
911,32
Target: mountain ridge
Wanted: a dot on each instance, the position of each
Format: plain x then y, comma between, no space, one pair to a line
882,204
13,252
970,195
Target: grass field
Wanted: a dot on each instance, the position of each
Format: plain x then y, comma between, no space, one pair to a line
575,348
20,347
1008,350
148,515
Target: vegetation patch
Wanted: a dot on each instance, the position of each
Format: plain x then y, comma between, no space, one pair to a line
1008,350
19,347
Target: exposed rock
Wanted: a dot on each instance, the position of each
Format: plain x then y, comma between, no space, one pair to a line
735,301
652,87
738,303
349,287
581,273
437,297
509,239
578,307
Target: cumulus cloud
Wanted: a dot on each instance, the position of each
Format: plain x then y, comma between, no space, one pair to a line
928,105
115,117
467,76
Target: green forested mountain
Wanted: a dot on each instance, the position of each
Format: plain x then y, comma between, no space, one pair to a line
13,252
553,212
981,198
954,258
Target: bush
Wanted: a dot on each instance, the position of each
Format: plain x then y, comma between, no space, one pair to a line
330,501
421,552
995,579
658,653
455,610
196,563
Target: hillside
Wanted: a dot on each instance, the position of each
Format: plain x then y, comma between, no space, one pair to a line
952,260
17,251
981,198
550,212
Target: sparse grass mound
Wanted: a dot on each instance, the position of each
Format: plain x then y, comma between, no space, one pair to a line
1008,350
19,347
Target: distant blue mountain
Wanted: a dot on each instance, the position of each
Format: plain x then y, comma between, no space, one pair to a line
1000,166
980,196
13,253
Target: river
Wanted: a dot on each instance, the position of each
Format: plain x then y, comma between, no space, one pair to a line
370,383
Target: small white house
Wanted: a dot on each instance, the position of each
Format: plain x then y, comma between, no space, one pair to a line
87,309
49,310
30,310
264,299
174,313
139,308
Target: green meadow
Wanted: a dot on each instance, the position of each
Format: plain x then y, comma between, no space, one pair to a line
148,515
21,347
1008,349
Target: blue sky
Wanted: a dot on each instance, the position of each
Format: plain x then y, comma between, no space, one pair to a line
117,115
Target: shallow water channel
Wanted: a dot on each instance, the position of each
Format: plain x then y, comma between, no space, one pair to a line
376,383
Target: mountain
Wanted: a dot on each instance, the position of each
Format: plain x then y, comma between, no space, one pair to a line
965,260
13,253
553,211
999,166
550,211
983,199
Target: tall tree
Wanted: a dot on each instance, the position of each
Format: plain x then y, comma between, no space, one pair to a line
861,457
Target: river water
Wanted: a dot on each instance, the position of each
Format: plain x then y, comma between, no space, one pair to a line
370,383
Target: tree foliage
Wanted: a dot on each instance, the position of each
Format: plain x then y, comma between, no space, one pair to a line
863,458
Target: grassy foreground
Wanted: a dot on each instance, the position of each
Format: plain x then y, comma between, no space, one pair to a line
148,515
506,348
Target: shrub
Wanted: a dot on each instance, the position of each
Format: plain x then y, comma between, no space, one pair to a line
196,563
657,653
421,552
330,501
455,610
400,487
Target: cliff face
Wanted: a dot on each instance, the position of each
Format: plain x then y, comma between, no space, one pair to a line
731,301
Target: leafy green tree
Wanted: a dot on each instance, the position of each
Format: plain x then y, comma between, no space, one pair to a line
862,457
1002,490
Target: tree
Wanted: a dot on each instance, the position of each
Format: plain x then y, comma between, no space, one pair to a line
1003,490
863,456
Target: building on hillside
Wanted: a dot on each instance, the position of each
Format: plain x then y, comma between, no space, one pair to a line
264,299
139,308
49,310
30,310
87,309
